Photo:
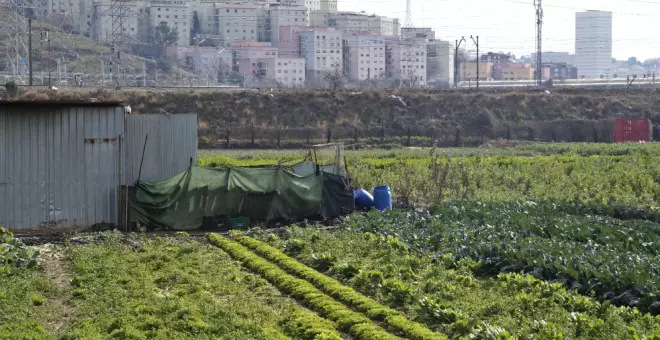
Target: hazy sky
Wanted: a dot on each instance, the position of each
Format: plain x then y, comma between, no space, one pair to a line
509,25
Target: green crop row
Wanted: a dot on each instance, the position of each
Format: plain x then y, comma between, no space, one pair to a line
393,320
607,258
448,297
309,326
349,321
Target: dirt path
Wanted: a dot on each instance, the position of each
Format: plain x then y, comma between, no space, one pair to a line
51,258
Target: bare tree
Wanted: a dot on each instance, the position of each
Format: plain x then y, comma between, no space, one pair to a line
335,76
410,78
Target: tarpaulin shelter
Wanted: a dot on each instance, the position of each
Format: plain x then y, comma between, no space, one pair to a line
270,193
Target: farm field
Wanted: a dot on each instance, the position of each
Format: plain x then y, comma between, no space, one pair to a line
545,241
601,173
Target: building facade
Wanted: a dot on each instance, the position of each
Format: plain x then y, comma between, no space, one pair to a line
440,63
593,43
468,71
555,58
289,72
417,33
406,62
277,16
322,51
559,71
101,22
513,72
175,14
497,58
236,22
364,57
362,23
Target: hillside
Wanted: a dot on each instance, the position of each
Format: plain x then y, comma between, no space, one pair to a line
574,115
78,54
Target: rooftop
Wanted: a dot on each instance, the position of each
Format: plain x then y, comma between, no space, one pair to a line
60,103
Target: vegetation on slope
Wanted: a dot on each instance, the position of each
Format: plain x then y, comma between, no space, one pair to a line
353,115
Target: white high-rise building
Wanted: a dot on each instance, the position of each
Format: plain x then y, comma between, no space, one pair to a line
364,57
322,51
593,43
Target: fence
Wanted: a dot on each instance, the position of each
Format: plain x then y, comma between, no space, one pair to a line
268,137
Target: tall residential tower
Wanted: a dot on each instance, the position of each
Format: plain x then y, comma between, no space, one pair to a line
593,43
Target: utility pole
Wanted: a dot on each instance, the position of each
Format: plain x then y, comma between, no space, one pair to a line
539,41
476,42
458,45
30,48
45,37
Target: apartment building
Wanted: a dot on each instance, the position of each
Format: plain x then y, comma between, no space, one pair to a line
61,13
440,63
203,60
364,57
555,58
593,43
101,23
236,22
468,71
322,51
174,13
318,11
204,16
417,33
497,58
513,72
362,23
559,71
277,16
289,72
406,62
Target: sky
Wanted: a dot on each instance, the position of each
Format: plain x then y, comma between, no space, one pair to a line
510,25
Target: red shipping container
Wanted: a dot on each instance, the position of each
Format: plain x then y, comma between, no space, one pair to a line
632,130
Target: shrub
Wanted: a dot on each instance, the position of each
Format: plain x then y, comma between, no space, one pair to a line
12,89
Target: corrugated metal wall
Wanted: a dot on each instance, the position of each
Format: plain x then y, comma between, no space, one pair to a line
59,166
171,143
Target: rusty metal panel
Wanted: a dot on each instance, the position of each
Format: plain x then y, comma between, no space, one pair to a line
54,180
171,143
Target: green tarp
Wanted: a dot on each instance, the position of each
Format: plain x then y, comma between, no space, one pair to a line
181,202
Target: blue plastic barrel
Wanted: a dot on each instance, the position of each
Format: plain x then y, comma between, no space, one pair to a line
363,198
382,198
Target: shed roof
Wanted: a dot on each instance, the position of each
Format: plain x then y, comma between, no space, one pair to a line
60,103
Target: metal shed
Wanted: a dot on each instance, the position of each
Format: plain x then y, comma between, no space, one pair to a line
171,141
60,164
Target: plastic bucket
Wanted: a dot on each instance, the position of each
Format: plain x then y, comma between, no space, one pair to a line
363,198
382,198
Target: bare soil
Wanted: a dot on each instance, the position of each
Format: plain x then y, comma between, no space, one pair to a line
51,259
